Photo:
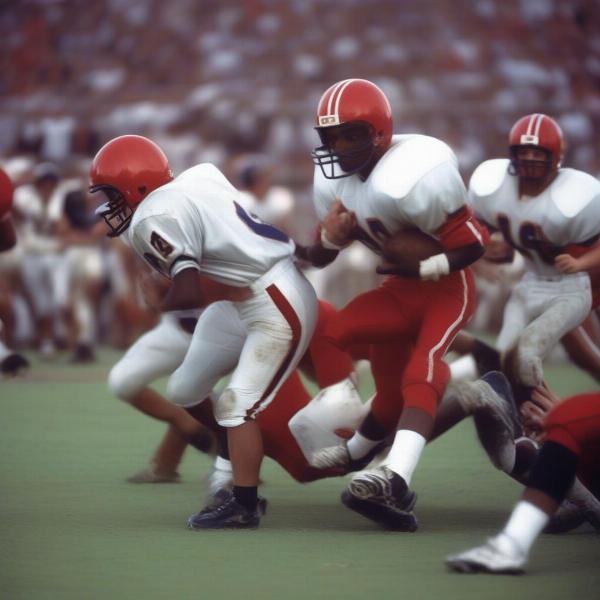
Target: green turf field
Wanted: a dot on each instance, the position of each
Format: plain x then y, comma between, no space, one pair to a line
71,528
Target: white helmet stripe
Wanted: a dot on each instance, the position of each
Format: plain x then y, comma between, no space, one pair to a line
538,125
339,96
332,95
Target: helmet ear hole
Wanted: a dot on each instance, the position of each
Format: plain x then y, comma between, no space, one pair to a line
142,190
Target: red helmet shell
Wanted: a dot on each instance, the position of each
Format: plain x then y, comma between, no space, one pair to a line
132,164
6,193
541,131
357,100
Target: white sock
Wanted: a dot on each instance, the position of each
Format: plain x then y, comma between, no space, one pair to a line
463,368
223,464
525,524
359,445
405,453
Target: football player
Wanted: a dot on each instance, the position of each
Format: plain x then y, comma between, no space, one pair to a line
193,224
549,214
370,185
572,437
11,363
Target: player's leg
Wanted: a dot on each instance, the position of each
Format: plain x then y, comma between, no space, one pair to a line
570,426
444,311
324,362
280,319
157,353
566,305
583,347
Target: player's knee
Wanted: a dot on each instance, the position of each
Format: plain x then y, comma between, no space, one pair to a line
554,470
123,384
229,411
423,396
181,390
529,367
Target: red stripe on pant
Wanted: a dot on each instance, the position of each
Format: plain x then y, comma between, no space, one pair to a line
289,314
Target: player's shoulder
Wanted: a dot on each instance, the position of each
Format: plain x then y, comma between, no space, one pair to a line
573,191
410,158
488,177
202,171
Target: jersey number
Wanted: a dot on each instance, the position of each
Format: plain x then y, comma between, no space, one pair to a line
531,239
259,227
377,230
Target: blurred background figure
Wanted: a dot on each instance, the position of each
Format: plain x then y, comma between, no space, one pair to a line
459,71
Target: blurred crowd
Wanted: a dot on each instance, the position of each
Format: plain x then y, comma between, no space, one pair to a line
237,83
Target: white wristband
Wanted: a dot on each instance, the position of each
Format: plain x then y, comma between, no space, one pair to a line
434,267
327,244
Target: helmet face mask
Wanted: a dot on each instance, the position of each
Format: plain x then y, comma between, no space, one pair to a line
116,212
536,146
354,122
351,146
528,167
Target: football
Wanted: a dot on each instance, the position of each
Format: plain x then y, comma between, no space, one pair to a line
410,245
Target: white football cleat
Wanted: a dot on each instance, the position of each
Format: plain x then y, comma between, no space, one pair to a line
499,555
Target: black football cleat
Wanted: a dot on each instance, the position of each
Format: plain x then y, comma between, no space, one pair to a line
224,495
382,496
230,514
14,364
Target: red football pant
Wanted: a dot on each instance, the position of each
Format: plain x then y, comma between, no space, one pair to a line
575,423
326,364
409,325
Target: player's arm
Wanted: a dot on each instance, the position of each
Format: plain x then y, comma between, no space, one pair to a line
316,254
589,261
334,234
461,242
185,292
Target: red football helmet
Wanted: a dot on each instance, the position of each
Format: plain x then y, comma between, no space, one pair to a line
6,193
127,169
352,103
541,132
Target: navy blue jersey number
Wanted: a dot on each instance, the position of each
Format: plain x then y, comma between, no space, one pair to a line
259,227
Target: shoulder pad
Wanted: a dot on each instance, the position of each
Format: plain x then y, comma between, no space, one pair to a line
409,159
573,190
488,177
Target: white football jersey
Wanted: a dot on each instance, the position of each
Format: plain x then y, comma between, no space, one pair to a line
416,183
197,220
566,212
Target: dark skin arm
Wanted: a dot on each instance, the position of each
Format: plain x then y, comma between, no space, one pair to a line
189,289
407,266
316,255
185,292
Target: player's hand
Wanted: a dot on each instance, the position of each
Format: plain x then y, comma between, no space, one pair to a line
338,224
566,263
534,411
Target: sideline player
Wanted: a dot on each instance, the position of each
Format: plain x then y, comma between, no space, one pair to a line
572,437
190,225
370,186
11,363
548,213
